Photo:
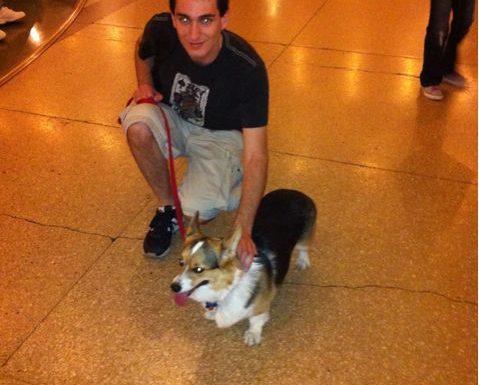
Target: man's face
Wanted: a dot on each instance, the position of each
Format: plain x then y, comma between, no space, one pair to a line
198,24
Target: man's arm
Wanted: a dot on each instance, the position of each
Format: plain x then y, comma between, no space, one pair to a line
143,77
255,169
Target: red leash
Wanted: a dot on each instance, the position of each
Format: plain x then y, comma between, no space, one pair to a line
174,187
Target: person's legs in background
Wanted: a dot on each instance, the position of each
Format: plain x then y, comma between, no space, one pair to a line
434,44
463,15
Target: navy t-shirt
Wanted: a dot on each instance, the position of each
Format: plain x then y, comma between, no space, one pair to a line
231,93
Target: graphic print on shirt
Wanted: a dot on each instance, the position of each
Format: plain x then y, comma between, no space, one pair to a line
189,99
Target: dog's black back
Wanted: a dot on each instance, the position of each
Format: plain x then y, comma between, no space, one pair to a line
284,218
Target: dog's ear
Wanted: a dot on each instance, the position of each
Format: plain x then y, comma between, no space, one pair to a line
230,244
194,226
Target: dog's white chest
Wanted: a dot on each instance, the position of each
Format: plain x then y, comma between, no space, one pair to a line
235,305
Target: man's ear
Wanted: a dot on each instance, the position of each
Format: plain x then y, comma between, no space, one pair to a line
194,226
230,244
224,20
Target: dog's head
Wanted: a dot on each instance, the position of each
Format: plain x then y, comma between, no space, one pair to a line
209,266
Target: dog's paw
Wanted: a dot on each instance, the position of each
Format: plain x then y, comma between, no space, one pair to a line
252,338
303,261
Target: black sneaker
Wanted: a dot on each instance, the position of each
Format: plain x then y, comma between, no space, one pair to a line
158,239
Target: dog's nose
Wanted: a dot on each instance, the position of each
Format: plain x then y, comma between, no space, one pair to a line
176,287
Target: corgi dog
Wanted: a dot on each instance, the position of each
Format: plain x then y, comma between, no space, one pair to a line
212,273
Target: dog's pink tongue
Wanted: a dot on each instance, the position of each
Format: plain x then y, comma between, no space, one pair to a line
180,299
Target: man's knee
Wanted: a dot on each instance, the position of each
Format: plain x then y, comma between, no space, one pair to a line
139,135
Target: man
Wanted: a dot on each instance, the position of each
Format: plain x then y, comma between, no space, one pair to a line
213,87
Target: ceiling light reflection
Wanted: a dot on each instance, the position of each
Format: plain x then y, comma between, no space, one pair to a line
35,35
273,7
298,67
352,75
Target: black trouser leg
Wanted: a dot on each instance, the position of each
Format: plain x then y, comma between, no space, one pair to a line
463,14
435,42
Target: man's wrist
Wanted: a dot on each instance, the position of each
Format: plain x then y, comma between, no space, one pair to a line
245,229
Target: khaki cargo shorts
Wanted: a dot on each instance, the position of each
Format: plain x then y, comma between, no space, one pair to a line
212,182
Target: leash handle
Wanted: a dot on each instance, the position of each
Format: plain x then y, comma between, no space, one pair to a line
171,163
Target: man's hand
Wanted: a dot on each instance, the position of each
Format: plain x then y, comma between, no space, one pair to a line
246,251
146,91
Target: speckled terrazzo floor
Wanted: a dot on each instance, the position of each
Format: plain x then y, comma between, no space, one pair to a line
391,297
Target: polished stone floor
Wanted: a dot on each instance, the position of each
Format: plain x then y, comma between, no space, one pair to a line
391,297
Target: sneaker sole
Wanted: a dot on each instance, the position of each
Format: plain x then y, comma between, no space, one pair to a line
157,256
2,22
454,84
433,97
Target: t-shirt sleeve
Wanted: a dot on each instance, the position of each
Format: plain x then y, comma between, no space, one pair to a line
254,106
158,37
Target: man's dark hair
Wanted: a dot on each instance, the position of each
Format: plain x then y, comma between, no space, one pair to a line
221,4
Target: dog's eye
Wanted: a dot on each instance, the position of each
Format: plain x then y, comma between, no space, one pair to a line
198,270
